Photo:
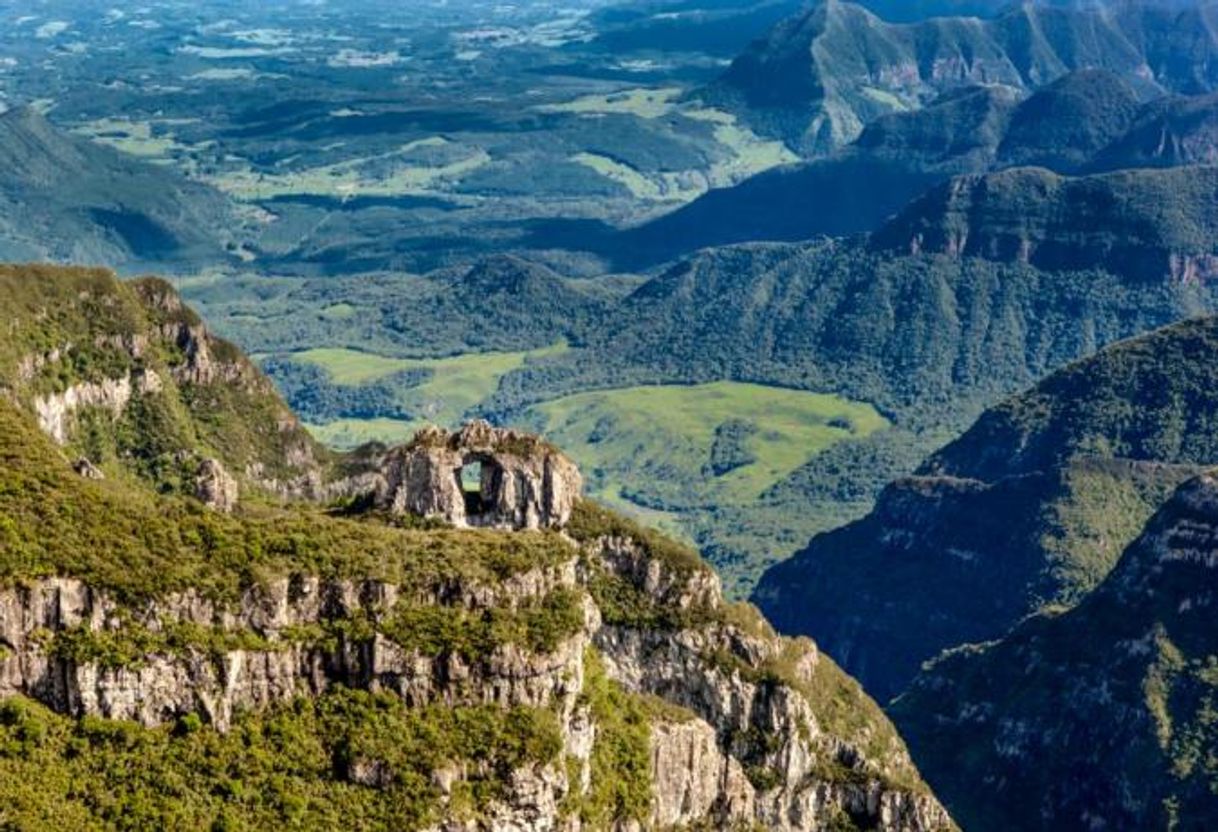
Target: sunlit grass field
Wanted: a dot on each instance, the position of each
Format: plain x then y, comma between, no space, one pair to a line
456,386
666,433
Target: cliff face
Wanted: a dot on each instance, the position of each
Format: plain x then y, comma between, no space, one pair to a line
729,739
1146,225
1168,132
1100,717
123,375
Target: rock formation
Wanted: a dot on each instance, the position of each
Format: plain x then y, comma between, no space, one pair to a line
215,487
151,376
55,410
730,747
85,468
521,481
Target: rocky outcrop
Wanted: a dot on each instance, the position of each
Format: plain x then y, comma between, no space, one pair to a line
150,371
85,468
215,487
694,777
522,482
55,411
283,652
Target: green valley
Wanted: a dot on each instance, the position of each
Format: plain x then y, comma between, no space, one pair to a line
695,450
452,389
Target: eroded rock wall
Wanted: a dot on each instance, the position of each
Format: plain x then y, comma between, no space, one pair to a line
707,766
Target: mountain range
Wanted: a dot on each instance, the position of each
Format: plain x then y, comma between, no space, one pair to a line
1112,696
817,79
1086,122
1070,470
959,359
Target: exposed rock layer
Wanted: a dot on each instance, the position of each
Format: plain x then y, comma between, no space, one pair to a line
1149,225
702,760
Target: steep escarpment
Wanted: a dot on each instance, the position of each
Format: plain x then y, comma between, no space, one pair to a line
1069,471
903,332
1172,131
300,662
1138,223
1100,717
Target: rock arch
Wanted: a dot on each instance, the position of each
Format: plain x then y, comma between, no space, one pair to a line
523,483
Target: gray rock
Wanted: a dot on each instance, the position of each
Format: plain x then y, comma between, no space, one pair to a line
85,468
523,482
215,487
701,756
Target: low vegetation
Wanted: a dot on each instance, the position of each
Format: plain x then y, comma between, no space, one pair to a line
136,545
347,759
620,787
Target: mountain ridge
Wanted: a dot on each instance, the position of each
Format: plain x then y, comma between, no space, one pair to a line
1070,470
1119,687
1146,224
1084,122
348,651
68,199
818,78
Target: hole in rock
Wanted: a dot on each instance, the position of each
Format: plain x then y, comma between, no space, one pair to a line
471,487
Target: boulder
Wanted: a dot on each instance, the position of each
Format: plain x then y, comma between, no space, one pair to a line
85,468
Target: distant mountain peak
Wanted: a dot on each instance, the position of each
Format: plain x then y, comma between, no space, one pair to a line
819,77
